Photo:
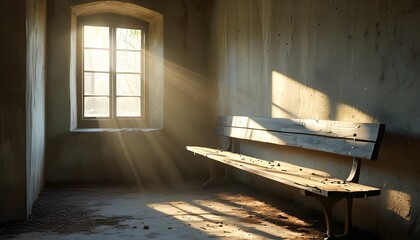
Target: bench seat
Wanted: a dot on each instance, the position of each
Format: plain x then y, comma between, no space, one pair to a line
306,179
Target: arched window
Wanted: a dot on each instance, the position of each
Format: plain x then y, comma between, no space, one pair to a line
117,66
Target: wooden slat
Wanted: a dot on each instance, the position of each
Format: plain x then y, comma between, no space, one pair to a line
366,150
304,179
338,129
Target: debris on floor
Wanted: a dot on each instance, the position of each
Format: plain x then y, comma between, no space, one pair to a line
182,212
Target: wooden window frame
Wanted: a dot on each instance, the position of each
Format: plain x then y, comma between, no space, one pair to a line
113,21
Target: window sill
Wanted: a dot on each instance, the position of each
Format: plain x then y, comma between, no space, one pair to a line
100,130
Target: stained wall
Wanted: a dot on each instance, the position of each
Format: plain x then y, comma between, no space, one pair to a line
338,60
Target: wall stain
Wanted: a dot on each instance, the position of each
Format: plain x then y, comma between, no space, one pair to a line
382,77
366,33
184,23
412,62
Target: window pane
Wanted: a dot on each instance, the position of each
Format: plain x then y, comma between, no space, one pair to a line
96,37
96,107
128,39
128,61
128,84
128,107
96,60
96,83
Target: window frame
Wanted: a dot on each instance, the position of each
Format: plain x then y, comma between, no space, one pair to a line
113,21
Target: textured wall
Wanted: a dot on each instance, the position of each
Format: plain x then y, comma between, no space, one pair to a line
141,156
22,106
36,14
340,60
12,94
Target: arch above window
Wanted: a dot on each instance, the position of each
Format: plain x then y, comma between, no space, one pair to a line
116,7
153,113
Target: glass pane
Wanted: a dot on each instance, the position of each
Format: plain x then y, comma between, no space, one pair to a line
96,37
96,60
96,83
128,84
128,61
128,39
128,107
96,107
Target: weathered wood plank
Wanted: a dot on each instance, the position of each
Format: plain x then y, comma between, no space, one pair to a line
338,129
366,150
304,179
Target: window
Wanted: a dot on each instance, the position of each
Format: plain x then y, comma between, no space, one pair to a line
120,84
111,71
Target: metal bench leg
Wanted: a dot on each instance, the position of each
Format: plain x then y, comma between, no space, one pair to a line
328,204
215,177
348,221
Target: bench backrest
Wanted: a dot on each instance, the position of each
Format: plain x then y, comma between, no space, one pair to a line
358,140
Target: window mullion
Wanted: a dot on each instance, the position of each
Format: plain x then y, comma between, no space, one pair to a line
143,74
113,72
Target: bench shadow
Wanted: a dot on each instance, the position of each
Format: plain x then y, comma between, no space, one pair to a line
263,206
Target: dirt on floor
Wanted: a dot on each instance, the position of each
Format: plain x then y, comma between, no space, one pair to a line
53,212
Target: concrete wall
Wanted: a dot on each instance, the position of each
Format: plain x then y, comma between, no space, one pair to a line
22,106
156,155
339,60
36,40
13,113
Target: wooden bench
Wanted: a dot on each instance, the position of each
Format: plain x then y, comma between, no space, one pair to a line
355,140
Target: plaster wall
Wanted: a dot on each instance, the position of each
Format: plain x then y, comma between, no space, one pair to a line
35,97
148,155
339,60
13,115
22,106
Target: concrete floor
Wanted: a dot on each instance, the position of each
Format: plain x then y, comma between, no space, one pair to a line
181,212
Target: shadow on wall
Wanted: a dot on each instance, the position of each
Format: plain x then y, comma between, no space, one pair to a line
341,67
338,60
291,98
397,169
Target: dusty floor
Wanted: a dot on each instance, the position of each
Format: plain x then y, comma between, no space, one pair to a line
181,212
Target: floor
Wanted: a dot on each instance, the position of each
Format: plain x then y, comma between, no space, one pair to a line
177,212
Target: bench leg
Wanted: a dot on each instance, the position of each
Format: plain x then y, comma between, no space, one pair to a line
348,221
216,175
328,204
